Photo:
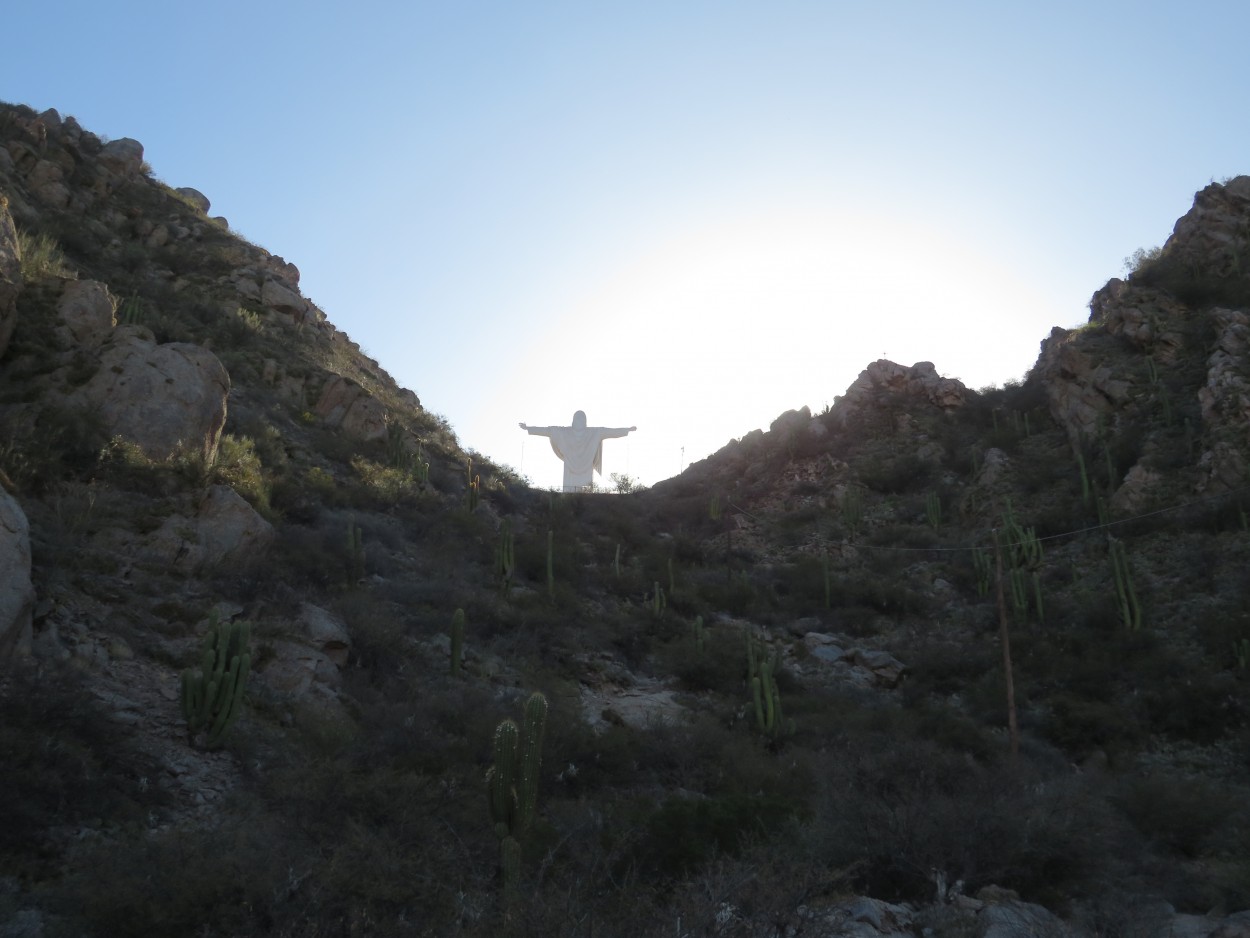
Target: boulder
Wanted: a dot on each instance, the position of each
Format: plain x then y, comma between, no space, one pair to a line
166,398
225,528
280,298
1082,392
47,182
10,275
326,632
921,382
86,311
345,404
1015,919
17,594
195,197
123,157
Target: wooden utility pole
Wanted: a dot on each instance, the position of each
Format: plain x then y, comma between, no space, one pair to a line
1005,637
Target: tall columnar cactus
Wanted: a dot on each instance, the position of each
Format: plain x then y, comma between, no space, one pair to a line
658,601
355,554
512,784
1241,653
457,641
765,696
1025,553
827,576
700,635
933,509
984,570
1126,593
212,694
473,486
505,558
616,560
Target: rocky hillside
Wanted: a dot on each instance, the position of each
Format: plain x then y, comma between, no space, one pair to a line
936,661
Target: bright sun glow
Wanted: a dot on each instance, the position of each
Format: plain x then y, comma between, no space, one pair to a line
720,329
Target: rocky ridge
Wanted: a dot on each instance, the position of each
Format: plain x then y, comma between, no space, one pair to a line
189,435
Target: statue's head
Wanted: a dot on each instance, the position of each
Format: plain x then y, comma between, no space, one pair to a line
579,420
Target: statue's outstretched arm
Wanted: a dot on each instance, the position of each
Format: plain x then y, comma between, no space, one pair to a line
537,431
612,432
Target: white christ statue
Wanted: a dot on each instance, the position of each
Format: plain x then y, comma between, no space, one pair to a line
581,448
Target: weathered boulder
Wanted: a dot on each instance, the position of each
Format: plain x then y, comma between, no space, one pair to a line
124,157
166,398
1082,392
1149,318
47,181
17,594
10,274
345,404
1211,239
326,632
921,381
1015,919
280,298
86,311
195,197
225,528
1225,398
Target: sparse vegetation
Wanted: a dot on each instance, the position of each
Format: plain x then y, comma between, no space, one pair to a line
768,684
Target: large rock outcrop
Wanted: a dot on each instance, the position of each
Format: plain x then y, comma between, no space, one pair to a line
921,381
348,406
224,529
10,274
167,399
17,594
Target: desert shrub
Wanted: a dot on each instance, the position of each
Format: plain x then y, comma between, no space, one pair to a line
41,256
238,466
1181,815
51,443
896,813
682,834
63,763
718,666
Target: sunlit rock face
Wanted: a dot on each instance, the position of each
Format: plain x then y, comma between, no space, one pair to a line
167,398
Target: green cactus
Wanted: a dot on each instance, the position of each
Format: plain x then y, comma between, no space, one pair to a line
672,581
355,554
933,509
700,635
1126,593
505,558
616,560
765,696
473,486
212,694
827,576
658,601
457,641
512,785
1025,558
981,565
1241,653
714,508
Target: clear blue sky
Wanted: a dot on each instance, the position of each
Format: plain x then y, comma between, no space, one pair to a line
682,215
